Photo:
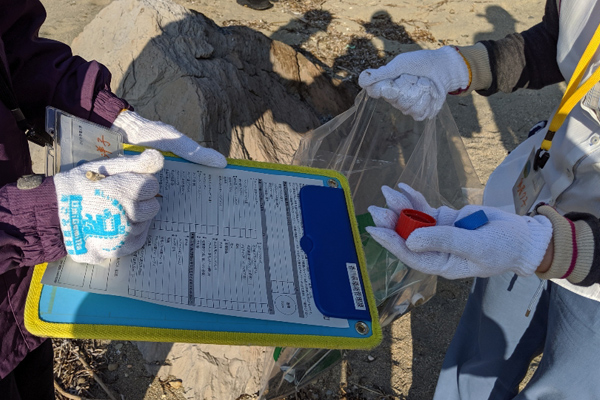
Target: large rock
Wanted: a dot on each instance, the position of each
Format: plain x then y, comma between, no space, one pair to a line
229,88
209,372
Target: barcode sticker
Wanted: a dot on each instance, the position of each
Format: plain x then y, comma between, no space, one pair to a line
357,294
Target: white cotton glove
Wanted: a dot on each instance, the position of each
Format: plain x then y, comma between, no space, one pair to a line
508,242
158,135
417,82
108,217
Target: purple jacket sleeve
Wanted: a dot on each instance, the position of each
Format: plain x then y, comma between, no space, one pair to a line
29,226
45,72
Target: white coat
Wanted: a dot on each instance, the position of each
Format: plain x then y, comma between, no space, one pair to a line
572,174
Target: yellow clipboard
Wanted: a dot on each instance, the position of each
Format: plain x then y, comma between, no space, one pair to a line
338,279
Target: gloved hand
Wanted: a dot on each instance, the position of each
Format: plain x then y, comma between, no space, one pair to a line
158,135
417,82
508,242
108,217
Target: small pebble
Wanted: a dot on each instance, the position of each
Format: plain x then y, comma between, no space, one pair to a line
113,367
175,383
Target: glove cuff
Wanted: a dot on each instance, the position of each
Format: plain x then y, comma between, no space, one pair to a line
479,66
574,247
458,74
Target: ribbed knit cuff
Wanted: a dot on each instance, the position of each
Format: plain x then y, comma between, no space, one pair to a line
35,219
573,248
587,269
478,59
107,107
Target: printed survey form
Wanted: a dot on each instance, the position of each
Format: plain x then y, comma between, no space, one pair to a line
225,241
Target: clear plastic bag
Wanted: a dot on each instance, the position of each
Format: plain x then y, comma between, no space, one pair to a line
374,144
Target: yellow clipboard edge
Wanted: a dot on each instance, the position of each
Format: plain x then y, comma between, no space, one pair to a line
35,325
38,327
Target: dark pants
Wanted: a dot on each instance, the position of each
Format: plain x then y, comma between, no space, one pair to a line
33,378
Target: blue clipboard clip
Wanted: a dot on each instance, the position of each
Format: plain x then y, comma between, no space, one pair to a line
329,244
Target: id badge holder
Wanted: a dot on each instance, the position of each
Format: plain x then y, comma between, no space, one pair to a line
528,186
77,141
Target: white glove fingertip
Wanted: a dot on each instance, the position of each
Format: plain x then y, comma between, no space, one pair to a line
143,210
388,192
385,237
411,193
434,238
407,80
365,78
135,242
424,108
206,156
395,200
393,243
138,228
383,217
415,198
418,114
151,161
148,162
436,104
371,76
377,89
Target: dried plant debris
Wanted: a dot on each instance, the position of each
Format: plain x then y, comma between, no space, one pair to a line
342,55
381,25
70,373
360,55
256,25
423,35
352,392
102,369
301,6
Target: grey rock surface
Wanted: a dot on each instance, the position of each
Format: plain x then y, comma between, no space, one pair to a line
208,372
230,88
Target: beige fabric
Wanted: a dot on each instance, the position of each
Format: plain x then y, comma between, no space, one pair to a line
481,72
563,247
585,252
563,244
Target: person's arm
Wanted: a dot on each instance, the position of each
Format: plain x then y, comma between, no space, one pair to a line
45,72
520,60
418,82
574,251
29,226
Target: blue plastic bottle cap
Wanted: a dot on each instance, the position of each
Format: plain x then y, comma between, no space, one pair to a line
472,221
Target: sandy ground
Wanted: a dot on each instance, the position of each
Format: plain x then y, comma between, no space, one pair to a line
333,32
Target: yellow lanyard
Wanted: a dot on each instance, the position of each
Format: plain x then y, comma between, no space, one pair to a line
573,94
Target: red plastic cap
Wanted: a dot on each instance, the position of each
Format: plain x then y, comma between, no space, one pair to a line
412,219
